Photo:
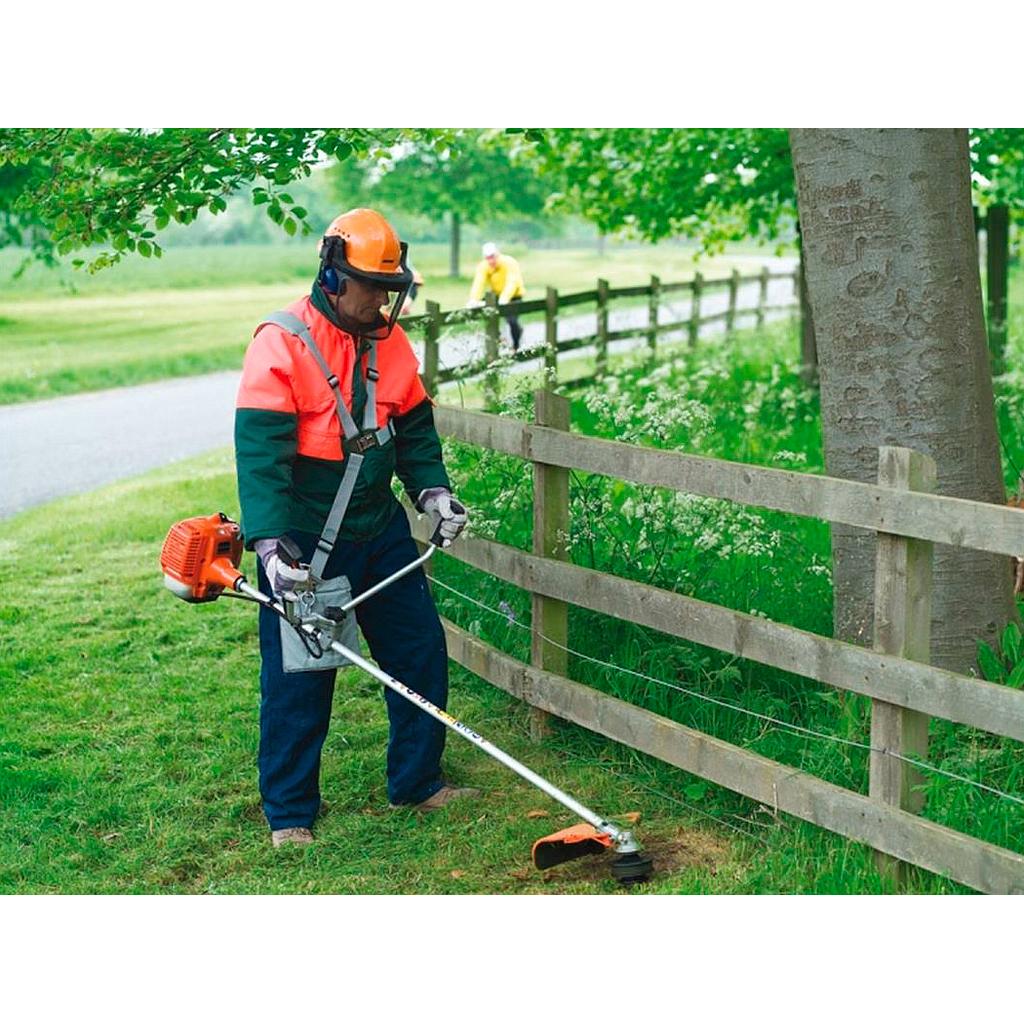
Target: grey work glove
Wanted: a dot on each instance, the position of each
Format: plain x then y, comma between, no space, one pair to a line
446,513
282,577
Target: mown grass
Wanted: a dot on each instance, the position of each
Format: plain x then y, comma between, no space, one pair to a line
194,310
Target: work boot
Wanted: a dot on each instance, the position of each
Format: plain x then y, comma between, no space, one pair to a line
298,836
445,795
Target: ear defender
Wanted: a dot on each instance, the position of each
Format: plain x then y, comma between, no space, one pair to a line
330,279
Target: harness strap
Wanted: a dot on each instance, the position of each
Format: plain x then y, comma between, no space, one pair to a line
354,441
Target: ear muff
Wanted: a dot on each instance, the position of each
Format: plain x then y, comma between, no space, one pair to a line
330,279
330,282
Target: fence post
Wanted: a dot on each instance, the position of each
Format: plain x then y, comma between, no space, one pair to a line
602,328
652,316
903,604
762,297
430,346
734,285
551,540
491,336
696,289
551,336
997,244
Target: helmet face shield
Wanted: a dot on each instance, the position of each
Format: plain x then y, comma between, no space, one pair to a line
336,270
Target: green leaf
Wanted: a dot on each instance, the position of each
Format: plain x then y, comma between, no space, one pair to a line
289,226
145,249
1016,677
991,667
1011,643
300,211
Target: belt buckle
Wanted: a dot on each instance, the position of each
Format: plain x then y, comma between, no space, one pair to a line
362,442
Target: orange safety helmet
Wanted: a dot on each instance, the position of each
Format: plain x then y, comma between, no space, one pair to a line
362,245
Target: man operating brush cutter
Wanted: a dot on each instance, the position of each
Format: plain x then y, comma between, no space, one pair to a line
330,407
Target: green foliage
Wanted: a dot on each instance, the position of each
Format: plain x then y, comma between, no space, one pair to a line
118,187
472,176
1007,665
712,184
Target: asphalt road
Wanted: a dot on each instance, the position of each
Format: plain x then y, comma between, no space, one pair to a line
62,446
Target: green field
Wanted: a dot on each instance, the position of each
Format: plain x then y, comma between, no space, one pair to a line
194,311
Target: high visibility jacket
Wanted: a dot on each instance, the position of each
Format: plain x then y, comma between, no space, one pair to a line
505,279
288,449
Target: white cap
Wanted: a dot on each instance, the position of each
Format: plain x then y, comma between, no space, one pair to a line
490,249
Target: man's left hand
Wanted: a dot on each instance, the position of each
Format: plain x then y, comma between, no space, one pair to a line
447,514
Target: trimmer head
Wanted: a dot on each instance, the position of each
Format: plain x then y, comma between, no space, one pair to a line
631,867
571,843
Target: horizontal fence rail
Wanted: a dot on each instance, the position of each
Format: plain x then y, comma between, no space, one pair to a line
954,521
904,689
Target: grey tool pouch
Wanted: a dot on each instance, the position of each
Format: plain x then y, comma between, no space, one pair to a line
312,606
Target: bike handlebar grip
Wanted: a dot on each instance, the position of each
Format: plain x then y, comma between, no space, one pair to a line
289,552
437,539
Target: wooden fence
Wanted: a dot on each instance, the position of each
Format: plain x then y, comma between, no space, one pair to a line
905,691
431,325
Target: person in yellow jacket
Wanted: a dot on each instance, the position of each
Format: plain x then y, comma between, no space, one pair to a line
501,275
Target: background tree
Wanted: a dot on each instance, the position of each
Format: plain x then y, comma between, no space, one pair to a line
893,279
470,179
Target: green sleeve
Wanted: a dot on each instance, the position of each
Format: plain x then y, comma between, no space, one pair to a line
418,450
265,448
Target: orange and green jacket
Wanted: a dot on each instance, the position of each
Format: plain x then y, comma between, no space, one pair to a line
288,450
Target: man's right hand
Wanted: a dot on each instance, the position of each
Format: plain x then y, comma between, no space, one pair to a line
282,577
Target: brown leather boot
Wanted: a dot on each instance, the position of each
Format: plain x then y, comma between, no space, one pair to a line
445,795
298,836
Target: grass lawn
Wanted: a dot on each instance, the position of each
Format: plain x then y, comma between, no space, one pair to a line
127,751
194,310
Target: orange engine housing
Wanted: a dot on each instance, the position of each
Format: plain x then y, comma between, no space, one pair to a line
200,557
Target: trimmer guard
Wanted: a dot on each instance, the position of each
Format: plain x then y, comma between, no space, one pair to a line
576,841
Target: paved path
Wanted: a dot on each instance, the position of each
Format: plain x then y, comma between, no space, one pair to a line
62,446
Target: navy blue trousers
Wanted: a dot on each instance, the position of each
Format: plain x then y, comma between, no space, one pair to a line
405,638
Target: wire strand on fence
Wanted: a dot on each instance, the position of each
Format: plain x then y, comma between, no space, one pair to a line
779,723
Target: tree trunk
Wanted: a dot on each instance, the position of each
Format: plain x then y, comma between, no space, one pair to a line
892,275
808,346
453,262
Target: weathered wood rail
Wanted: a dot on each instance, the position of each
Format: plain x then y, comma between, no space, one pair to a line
905,690
430,326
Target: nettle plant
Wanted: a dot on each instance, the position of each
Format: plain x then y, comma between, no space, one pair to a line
1006,665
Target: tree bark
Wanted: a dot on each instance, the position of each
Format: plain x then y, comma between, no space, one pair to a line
808,346
453,253
891,262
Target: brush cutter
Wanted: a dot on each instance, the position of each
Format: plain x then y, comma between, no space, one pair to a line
200,560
